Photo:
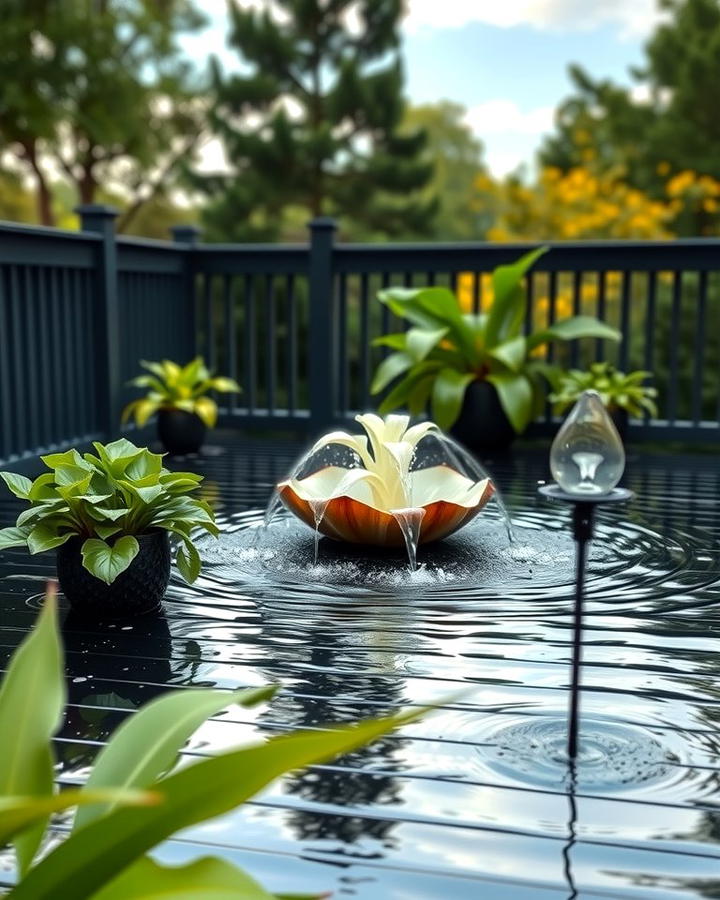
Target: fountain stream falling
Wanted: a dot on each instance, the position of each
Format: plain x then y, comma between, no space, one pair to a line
410,520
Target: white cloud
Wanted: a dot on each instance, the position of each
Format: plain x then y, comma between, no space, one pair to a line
510,134
633,17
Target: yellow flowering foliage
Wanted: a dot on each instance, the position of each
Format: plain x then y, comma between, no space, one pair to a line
575,205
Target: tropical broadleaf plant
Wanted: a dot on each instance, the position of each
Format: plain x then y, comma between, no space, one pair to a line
444,350
617,390
105,855
171,386
107,498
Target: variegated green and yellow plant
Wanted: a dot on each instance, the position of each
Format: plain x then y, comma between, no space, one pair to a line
171,386
134,799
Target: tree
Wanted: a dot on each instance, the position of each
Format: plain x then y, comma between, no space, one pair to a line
97,91
456,155
666,126
312,122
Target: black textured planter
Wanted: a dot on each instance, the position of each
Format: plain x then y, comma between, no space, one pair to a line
137,590
483,424
180,432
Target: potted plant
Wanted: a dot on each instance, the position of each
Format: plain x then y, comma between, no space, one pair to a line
476,371
622,394
178,394
109,516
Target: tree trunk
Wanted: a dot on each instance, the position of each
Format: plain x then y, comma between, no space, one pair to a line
87,186
43,195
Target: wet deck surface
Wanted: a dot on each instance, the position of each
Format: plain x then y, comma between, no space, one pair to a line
452,806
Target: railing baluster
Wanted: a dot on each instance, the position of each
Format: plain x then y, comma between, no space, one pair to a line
552,311
476,292
342,345
364,341
430,279
577,309
94,413
59,396
600,343
292,364
210,354
230,338
624,349
7,435
270,337
32,359
250,356
674,342
81,347
49,430
385,315
699,349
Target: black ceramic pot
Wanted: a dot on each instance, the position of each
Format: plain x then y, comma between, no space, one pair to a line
180,432
482,424
137,590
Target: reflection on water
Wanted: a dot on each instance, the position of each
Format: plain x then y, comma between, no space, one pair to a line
443,807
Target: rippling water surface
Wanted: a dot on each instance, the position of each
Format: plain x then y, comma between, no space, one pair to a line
476,800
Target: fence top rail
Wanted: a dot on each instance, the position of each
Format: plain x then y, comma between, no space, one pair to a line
702,254
45,232
144,243
234,259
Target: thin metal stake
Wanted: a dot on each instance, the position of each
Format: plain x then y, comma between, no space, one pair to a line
582,532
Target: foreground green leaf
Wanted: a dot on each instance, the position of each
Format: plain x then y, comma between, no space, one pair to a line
515,393
147,743
207,878
92,856
32,697
19,813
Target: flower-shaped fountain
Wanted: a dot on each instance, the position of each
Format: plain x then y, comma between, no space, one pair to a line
396,484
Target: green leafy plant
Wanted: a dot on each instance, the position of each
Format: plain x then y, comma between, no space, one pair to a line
178,387
445,350
133,800
617,390
107,499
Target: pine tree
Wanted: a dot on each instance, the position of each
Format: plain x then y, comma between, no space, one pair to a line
311,123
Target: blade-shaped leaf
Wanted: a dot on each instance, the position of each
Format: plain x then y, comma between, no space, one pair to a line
511,354
147,743
90,857
225,385
18,484
208,878
508,307
106,562
420,341
573,328
32,697
206,408
389,369
17,814
516,398
448,393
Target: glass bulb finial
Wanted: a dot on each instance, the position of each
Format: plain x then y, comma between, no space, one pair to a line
587,455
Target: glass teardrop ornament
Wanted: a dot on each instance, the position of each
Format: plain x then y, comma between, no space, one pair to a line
587,456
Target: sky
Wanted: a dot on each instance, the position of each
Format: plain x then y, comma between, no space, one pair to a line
505,60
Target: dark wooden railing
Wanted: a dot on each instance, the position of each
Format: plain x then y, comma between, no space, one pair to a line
294,324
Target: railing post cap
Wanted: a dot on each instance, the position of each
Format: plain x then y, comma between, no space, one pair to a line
323,223
185,234
97,209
